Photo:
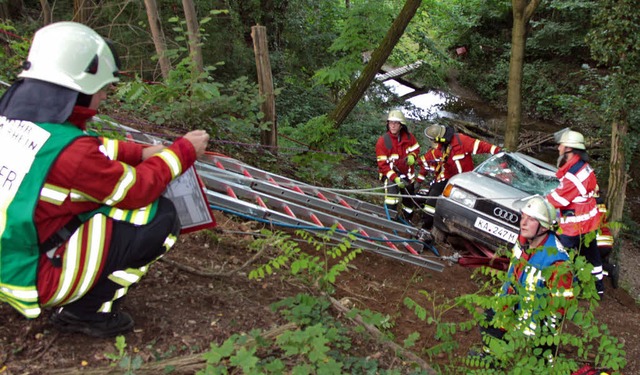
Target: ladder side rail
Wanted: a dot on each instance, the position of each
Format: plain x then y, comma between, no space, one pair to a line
250,209
299,211
239,167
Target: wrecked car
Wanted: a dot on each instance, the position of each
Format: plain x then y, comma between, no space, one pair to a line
479,205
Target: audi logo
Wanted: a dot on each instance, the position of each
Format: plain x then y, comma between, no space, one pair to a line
505,215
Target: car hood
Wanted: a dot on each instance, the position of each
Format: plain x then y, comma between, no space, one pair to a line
488,187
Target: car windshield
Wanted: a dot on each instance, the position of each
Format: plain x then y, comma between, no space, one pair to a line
519,173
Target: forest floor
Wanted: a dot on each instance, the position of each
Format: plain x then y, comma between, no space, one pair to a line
202,295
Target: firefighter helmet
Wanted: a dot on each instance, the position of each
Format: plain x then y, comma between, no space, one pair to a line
540,209
397,115
71,55
436,133
572,139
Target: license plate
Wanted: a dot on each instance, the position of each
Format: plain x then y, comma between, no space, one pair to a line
496,230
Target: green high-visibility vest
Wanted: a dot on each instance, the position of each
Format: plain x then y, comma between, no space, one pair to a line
28,151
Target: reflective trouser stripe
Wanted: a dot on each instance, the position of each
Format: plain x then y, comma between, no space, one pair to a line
124,278
130,276
77,277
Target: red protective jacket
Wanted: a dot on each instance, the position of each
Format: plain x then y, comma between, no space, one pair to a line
447,161
575,197
90,179
391,154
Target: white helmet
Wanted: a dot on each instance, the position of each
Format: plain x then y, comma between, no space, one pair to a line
572,139
540,209
397,115
435,133
71,55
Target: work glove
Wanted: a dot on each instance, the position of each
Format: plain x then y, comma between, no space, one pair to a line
400,183
411,160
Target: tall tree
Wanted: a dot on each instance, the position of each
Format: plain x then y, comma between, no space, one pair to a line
614,42
158,36
193,29
378,58
47,14
81,11
522,12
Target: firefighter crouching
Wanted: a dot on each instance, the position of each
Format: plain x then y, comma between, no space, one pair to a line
82,217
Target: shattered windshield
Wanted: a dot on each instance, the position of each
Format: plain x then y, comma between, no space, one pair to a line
519,173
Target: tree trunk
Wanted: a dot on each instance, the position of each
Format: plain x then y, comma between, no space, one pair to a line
47,14
378,58
618,178
158,36
193,29
81,11
522,12
268,137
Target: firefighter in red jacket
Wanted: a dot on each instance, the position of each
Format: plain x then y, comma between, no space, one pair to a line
82,217
451,153
396,153
575,198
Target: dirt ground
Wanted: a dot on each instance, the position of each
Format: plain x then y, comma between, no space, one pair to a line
179,312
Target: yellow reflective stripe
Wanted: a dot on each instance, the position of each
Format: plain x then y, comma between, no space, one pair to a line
110,148
381,157
53,194
70,264
26,294
140,216
26,304
77,196
493,149
127,180
172,161
413,148
95,252
127,277
117,214
170,241
105,307
429,209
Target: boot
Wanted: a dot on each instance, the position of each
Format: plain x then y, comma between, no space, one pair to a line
101,325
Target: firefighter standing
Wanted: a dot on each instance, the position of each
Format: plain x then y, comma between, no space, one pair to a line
575,198
81,217
451,153
396,153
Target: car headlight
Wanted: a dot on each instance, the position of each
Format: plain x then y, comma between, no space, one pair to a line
462,196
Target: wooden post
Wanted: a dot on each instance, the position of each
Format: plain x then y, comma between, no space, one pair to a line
265,83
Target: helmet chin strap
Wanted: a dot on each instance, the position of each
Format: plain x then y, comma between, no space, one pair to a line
540,232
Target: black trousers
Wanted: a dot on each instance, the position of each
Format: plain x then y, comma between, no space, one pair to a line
132,246
590,251
435,190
